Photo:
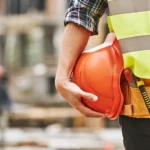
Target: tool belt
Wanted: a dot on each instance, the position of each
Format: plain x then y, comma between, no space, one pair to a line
134,105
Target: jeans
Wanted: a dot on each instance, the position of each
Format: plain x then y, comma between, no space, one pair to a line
136,133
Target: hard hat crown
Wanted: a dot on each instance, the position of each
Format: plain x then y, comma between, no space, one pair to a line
98,71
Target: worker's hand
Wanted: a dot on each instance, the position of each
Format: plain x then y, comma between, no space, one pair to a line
72,93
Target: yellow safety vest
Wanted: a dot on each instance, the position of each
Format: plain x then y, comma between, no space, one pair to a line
130,20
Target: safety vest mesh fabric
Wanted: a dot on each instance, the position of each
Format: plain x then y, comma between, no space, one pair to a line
130,20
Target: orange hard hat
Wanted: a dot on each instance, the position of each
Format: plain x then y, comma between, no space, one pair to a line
98,71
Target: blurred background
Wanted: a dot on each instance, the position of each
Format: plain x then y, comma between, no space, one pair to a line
33,116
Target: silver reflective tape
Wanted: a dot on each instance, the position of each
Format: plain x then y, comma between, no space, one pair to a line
128,6
135,44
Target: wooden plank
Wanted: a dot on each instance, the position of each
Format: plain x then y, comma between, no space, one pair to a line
45,114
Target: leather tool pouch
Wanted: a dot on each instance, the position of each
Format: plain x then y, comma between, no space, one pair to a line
134,105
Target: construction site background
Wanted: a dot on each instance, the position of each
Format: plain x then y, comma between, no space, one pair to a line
39,118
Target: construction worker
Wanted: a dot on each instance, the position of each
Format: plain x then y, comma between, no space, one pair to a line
129,20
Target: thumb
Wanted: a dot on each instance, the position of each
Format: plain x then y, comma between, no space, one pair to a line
89,96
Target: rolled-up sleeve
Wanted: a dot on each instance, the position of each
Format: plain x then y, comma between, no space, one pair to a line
86,13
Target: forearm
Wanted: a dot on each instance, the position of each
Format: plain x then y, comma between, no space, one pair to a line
74,40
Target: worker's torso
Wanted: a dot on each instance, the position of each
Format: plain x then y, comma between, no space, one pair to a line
130,20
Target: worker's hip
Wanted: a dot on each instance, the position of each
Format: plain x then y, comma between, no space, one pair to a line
136,103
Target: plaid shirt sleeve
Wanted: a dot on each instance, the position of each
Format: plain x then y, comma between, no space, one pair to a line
86,13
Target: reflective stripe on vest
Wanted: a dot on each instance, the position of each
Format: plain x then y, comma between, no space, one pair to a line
130,20
128,6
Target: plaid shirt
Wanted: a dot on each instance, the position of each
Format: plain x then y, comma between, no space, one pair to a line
86,13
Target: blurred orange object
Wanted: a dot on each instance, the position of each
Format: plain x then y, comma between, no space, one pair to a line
1,71
108,146
98,71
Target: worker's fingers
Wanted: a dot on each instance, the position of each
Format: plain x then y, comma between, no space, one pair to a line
72,93
87,112
88,96
80,93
